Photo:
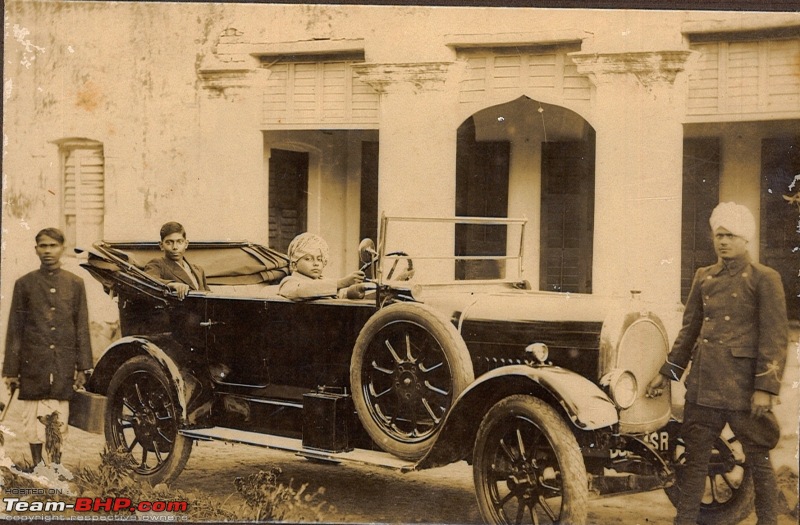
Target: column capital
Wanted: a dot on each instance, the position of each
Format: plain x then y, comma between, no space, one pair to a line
230,78
649,68
421,76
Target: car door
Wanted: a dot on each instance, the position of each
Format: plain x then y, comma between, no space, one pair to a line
310,342
275,342
237,339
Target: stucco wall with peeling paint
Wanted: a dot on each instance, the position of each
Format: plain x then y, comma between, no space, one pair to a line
120,75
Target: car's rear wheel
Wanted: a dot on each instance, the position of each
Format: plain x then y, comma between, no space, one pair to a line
528,467
408,366
142,418
729,493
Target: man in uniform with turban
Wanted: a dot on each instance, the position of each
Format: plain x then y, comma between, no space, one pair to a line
735,333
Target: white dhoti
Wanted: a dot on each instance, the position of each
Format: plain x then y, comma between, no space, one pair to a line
32,429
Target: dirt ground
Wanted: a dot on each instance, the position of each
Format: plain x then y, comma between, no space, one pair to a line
366,494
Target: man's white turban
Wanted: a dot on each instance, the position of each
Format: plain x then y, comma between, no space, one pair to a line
735,218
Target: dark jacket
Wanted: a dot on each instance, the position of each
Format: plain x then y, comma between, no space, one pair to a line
168,271
48,334
735,332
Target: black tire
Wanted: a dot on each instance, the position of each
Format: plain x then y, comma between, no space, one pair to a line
142,417
527,466
730,495
408,367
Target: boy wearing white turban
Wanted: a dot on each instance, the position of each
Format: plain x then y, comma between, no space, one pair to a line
308,255
735,333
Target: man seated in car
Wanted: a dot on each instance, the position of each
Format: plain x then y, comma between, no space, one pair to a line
173,269
308,255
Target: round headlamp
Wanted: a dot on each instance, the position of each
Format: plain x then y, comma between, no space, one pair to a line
538,351
622,386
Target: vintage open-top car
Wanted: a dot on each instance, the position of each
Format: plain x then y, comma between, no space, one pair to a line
542,392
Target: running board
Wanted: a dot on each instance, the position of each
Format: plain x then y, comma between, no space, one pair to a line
360,456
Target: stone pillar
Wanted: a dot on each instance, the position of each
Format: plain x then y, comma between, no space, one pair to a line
740,180
525,196
637,114
417,158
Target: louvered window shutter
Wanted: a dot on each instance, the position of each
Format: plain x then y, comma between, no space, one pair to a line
84,195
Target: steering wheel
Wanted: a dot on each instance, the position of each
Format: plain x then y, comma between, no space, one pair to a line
409,271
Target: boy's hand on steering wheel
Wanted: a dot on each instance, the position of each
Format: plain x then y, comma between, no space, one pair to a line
354,278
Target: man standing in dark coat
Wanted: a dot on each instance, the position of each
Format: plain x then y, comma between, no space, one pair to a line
735,333
48,351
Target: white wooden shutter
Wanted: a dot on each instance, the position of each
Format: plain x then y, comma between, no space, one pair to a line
745,80
308,95
501,73
84,195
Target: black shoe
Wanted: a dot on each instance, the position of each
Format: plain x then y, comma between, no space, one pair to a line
26,468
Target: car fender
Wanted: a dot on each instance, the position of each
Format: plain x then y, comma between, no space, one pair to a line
194,394
582,402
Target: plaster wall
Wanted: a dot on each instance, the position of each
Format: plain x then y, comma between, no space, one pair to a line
90,71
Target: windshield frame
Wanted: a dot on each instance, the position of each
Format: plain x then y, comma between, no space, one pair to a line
511,254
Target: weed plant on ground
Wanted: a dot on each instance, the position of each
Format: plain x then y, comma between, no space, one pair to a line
265,498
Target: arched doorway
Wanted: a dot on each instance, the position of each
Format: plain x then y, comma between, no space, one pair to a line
528,158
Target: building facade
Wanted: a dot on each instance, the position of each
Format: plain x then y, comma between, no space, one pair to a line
613,132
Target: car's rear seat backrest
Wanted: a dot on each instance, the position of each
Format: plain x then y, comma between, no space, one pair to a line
140,256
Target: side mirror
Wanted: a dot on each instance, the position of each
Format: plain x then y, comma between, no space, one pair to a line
368,255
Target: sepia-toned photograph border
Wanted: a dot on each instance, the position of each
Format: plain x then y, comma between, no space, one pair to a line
400,262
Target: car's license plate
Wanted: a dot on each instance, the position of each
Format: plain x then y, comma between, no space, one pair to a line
658,439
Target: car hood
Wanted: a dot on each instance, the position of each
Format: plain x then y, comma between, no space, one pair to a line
497,302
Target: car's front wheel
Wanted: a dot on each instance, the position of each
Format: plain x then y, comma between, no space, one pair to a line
408,366
528,467
142,418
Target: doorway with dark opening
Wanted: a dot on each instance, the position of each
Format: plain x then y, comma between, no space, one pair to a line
288,200
526,158
780,214
567,216
481,191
